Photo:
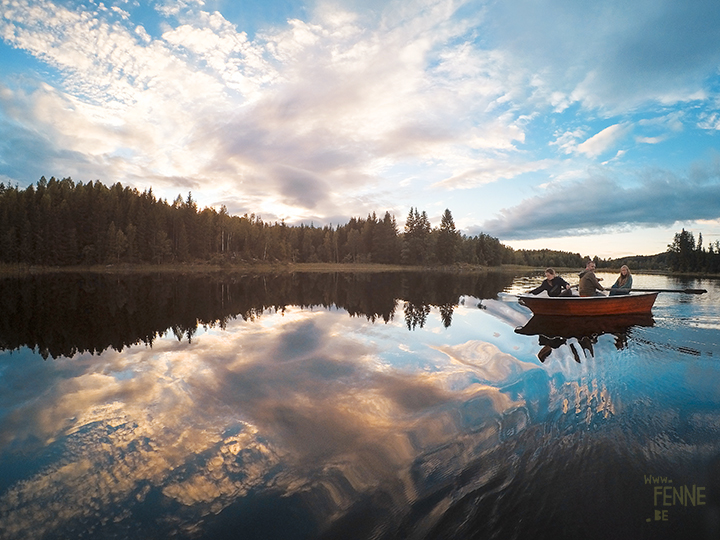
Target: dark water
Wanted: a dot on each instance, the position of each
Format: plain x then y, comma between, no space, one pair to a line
351,406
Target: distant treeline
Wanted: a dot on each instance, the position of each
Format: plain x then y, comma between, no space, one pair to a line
636,262
684,254
63,223
543,258
60,222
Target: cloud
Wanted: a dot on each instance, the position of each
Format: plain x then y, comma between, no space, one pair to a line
300,113
669,122
490,171
710,121
603,141
603,204
122,96
650,140
567,142
612,56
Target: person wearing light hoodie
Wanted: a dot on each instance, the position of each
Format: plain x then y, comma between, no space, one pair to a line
623,284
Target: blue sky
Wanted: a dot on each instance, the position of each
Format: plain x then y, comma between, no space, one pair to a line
590,127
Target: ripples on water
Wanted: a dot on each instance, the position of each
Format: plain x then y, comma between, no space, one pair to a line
430,421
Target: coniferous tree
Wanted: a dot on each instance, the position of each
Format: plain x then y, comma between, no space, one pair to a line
681,251
386,242
447,239
416,238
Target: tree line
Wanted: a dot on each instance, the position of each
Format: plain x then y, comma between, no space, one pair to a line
684,254
60,223
64,223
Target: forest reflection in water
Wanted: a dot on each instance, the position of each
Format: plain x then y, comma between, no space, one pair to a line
284,417
121,310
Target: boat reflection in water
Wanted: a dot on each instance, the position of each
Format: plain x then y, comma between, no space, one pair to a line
553,331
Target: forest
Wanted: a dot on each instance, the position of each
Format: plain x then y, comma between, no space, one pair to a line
61,223
64,223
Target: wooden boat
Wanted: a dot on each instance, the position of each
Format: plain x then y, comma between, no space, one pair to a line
580,306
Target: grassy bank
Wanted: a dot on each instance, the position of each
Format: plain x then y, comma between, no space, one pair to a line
9,270
245,268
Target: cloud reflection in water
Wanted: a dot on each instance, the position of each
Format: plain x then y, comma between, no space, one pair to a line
302,403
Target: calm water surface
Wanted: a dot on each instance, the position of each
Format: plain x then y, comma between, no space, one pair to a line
351,407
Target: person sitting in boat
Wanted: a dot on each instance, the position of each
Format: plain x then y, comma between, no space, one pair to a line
553,284
589,283
623,284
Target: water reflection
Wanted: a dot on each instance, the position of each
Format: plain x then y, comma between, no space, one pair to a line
311,422
121,310
556,331
296,408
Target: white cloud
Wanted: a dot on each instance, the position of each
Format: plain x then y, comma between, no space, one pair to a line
710,122
567,142
490,171
669,122
124,14
650,140
140,31
603,141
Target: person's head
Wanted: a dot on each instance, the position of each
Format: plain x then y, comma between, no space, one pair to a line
549,273
590,265
624,270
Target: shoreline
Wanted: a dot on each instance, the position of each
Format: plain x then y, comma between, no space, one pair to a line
8,270
19,270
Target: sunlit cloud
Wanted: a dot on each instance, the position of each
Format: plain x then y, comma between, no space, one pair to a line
329,98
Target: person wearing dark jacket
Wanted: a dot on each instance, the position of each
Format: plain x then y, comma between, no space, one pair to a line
589,283
553,284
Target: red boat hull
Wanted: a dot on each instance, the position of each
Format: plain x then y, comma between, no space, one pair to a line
581,306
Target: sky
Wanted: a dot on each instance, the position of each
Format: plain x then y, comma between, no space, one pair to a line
589,127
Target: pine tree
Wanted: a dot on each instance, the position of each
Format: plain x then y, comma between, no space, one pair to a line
681,253
416,238
447,241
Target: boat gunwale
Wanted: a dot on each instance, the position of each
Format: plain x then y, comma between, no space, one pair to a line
631,294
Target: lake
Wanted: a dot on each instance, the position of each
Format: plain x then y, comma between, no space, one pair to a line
351,406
